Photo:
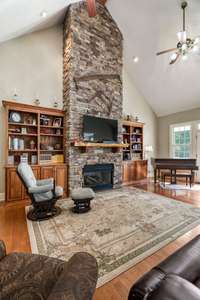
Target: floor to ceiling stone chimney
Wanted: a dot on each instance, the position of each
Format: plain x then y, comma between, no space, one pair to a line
92,66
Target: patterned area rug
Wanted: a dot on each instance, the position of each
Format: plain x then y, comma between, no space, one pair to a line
123,227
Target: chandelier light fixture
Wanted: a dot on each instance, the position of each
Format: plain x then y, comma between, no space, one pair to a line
186,45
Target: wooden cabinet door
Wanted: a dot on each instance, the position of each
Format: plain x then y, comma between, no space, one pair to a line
125,173
141,169
14,186
36,172
61,177
132,172
59,173
144,168
128,172
47,172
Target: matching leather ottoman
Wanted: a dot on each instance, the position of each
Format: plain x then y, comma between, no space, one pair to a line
176,278
82,198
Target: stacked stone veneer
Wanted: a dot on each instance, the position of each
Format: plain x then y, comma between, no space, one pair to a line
92,84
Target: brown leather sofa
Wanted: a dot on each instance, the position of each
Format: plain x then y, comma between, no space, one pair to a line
176,278
36,277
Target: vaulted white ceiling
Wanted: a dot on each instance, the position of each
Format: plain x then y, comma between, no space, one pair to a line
147,26
18,17
150,26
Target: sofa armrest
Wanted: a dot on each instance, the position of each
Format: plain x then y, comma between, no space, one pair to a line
185,262
45,181
145,285
176,288
2,249
78,279
41,189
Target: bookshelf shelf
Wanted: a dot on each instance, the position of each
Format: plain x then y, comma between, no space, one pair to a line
24,150
54,150
22,134
47,134
21,124
53,127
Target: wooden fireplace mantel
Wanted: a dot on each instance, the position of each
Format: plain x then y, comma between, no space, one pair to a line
98,145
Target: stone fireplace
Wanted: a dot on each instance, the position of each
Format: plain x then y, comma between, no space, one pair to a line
92,85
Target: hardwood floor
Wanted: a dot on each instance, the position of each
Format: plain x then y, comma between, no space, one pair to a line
13,231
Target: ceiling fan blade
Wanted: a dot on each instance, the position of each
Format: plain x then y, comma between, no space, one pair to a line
91,6
166,51
174,60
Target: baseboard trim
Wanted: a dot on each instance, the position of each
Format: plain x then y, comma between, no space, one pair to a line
2,197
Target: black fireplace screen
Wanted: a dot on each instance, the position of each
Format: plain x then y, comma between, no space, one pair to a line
99,176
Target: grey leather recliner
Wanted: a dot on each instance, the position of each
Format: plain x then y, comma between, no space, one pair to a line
43,194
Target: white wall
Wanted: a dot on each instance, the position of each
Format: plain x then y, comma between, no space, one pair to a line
136,105
33,65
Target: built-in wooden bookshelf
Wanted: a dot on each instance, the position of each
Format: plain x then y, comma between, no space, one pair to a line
33,133
36,135
133,135
134,167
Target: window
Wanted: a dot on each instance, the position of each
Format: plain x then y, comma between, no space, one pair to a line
199,126
181,141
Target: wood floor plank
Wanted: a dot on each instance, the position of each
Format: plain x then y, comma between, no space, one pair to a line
13,230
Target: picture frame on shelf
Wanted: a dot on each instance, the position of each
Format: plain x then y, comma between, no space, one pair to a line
58,132
44,120
33,159
24,158
57,122
10,160
23,130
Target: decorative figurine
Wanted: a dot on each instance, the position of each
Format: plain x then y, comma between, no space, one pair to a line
37,102
55,104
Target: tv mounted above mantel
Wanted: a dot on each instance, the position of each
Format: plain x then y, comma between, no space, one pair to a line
100,130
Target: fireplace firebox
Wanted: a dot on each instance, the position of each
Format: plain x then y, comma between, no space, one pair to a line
99,176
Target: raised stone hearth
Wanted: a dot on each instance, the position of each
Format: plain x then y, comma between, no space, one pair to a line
92,84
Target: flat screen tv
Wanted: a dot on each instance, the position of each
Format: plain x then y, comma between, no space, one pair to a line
99,130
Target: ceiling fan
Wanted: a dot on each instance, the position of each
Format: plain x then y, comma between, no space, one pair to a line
185,44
